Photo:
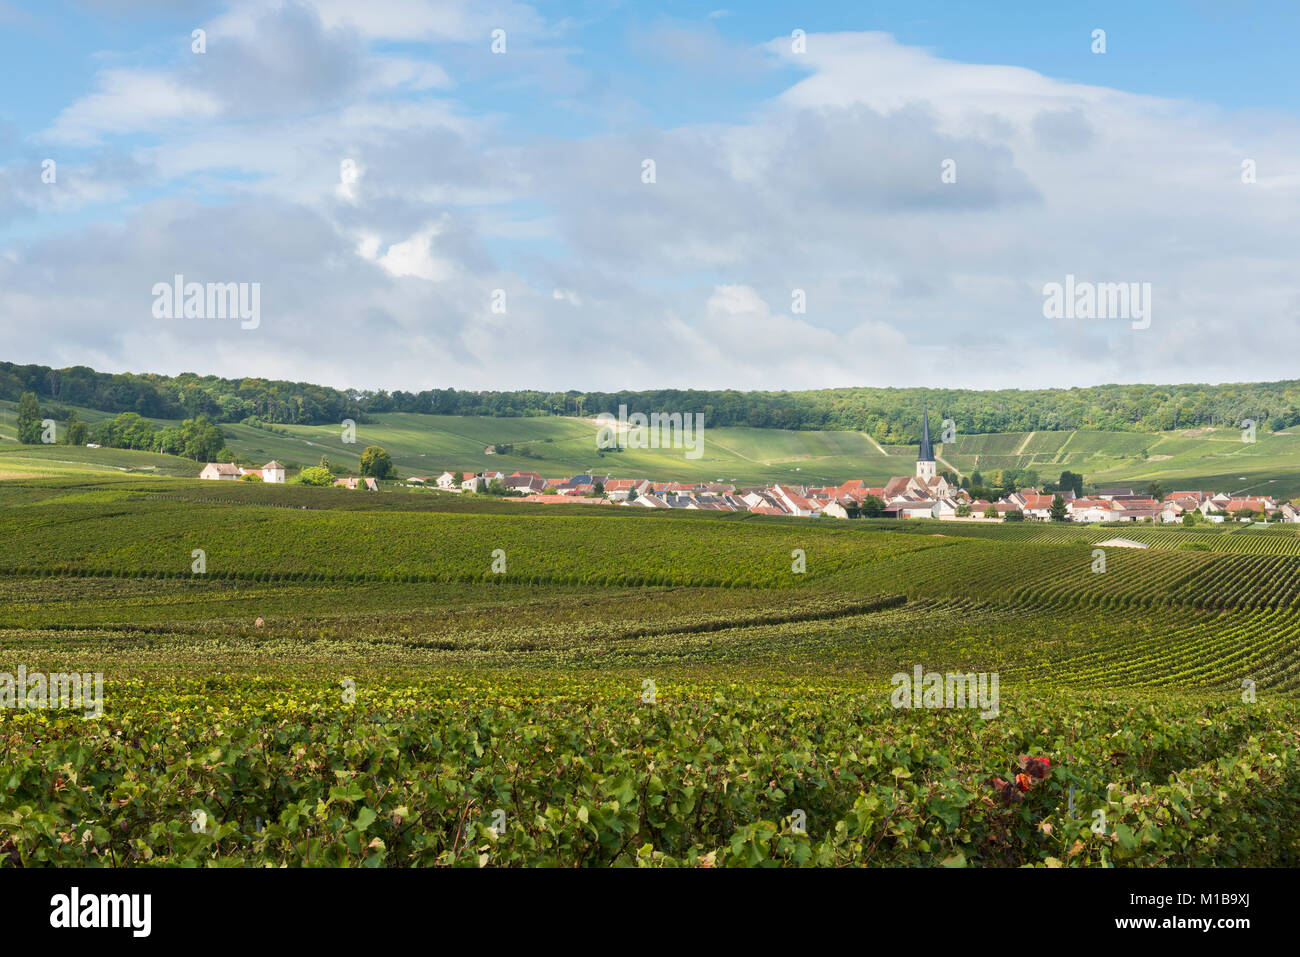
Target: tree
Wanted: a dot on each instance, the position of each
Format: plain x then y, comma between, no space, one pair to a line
457,478
990,512
315,475
1015,516
29,419
376,463
75,431
250,477
1071,482
202,441
1156,491
1190,518
598,489
873,506
1058,511
963,510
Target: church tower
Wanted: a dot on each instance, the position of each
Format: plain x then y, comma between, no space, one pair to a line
925,467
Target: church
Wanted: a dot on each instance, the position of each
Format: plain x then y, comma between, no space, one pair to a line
927,484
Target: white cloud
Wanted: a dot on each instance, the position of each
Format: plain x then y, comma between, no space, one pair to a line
416,257
833,187
129,101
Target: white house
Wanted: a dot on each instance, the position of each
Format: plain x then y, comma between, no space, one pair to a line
221,471
273,472
912,509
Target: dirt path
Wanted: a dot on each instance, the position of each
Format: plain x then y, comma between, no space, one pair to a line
879,447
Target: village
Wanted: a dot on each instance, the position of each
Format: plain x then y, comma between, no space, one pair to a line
925,494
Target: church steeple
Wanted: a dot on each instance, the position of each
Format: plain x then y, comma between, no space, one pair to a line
925,465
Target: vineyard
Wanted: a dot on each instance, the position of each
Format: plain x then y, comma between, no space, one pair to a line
350,683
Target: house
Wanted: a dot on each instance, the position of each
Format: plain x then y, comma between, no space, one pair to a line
526,482
835,509
947,507
1291,512
1093,510
447,481
220,471
761,499
924,508
366,483
564,500
1034,504
1171,512
621,490
1114,492
793,501
273,472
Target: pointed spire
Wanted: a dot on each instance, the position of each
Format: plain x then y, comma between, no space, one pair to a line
927,450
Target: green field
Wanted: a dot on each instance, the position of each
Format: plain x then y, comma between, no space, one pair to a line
631,688
557,447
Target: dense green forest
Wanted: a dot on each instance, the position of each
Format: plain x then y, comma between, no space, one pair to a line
889,415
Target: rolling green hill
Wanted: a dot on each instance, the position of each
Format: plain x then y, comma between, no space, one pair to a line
561,446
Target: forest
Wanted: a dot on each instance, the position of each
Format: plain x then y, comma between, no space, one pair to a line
890,415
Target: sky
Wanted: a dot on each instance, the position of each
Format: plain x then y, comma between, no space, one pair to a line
597,195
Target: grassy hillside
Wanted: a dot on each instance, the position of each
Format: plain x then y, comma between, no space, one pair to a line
561,446
423,444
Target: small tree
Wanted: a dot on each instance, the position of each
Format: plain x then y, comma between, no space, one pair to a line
1058,510
873,506
315,475
75,431
250,477
963,510
1156,491
376,463
990,512
29,419
1015,516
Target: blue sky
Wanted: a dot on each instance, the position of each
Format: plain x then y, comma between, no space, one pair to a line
778,170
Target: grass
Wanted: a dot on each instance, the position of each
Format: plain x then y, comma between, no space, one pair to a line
555,447
349,684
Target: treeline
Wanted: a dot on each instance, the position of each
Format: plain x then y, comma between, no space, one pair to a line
184,396
889,415
197,438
